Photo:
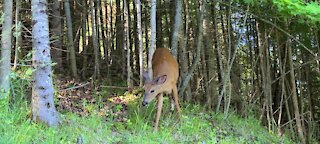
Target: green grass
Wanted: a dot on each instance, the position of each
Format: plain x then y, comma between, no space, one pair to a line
194,126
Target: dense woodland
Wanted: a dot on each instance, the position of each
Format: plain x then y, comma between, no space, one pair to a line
253,58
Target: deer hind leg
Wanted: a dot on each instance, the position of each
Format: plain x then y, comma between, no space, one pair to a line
159,109
175,97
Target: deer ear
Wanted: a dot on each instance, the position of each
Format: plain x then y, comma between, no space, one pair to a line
160,79
146,76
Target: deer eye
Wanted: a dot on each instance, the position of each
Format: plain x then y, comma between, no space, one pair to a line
152,91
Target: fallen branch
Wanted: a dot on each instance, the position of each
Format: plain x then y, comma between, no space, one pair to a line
71,88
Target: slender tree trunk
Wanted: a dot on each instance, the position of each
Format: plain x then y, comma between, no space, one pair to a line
297,114
282,62
136,71
96,74
218,51
146,28
105,38
84,38
159,13
183,52
196,60
177,30
117,56
209,54
138,6
127,43
111,41
43,108
6,49
153,36
99,28
17,34
56,33
71,49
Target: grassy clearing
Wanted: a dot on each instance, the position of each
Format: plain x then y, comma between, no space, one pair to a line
129,123
194,126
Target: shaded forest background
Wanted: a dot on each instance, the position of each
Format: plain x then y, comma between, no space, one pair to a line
257,58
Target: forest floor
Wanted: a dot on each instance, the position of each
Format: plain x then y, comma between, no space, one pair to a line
87,116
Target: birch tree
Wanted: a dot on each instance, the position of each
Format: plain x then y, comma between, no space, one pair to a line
43,109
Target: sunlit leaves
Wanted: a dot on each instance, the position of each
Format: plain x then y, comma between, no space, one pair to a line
289,8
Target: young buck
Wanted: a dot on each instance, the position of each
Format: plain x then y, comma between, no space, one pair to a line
165,75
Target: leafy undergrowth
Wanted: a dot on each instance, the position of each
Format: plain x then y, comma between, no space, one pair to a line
133,125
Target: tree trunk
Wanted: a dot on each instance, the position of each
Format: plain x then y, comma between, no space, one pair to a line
297,114
146,27
177,30
43,108
153,36
96,74
84,39
159,13
184,62
127,43
71,49
218,55
56,33
6,49
210,62
17,34
196,60
139,28
118,55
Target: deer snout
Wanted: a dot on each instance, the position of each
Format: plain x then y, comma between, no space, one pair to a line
144,103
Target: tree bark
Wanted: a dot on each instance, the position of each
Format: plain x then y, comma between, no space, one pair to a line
195,63
71,49
209,58
159,13
84,38
139,28
43,108
17,34
153,36
127,43
297,114
6,44
56,34
96,47
177,30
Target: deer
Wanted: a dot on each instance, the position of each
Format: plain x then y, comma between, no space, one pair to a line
165,70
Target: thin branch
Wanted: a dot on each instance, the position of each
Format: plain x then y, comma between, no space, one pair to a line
71,88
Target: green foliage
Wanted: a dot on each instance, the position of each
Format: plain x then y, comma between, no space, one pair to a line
309,11
20,86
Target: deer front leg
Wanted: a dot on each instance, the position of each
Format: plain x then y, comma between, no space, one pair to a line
159,109
175,97
172,103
